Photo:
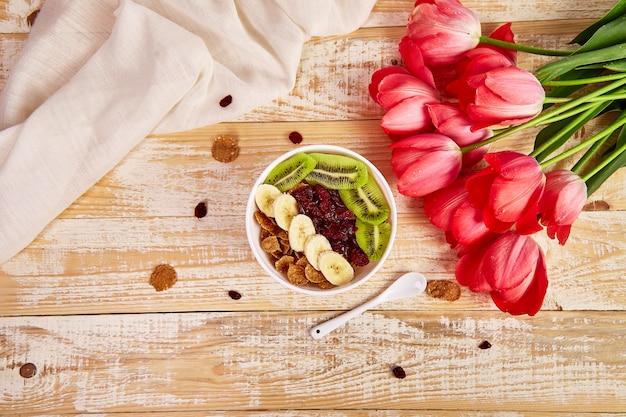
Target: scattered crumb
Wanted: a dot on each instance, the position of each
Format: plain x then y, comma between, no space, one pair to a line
444,290
163,277
597,205
225,148
28,370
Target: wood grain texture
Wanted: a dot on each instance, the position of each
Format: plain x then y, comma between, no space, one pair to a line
260,360
77,304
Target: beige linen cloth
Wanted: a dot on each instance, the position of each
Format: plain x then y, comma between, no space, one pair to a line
95,77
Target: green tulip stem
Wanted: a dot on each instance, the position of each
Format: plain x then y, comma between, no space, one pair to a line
584,81
621,121
564,130
606,97
567,114
524,48
604,163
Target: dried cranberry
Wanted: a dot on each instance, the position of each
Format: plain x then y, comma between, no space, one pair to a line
484,345
295,137
358,257
331,218
225,102
399,372
200,210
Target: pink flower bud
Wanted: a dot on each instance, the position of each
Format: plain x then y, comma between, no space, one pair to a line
508,191
511,267
425,163
443,30
451,121
562,202
395,88
500,97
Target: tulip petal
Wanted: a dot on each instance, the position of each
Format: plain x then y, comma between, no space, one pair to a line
412,56
379,75
395,88
562,202
441,205
430,173
403,158
444,30
467,272
512,261
479,184
467,224
532,300
493,223
409,116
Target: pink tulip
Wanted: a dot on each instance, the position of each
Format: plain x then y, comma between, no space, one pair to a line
476,62
508,192
414,60
410,116
425,163
511,268
468,271
468,225
395,88
562,202
451,121
487,57
450,210
500,97
503,33
440,205
379,75
443,30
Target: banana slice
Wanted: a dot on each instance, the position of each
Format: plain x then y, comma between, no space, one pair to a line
285,208
315,245
335,267
300,229
264,197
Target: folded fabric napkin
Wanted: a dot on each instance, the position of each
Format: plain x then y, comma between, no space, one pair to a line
95,77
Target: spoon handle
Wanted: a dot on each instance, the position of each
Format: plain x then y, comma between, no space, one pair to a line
328,326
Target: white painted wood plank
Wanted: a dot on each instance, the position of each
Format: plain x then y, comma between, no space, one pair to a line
259,360
104,265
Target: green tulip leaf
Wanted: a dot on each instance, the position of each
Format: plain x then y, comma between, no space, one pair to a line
609,34
559,132
605,173
616,12
616,66
561,66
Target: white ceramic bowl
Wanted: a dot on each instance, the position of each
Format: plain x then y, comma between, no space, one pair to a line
253,229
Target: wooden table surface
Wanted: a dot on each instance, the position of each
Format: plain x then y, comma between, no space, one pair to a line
77,303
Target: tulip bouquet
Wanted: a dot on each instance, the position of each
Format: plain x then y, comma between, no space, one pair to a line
458,92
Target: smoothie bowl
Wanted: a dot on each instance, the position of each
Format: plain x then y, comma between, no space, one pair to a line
321,219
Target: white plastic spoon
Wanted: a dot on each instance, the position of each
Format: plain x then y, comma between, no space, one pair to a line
408,285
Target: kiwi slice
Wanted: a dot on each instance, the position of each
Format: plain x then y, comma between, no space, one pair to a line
366,202
337,172
372,239
290,172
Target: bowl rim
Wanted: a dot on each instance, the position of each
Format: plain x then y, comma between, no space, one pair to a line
252,228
